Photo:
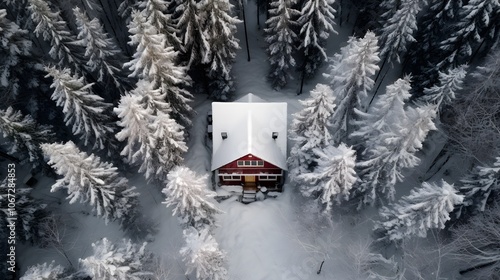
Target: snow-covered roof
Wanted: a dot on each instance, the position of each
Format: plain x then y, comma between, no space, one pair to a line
249,124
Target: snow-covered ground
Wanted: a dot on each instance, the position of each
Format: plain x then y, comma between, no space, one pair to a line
272,239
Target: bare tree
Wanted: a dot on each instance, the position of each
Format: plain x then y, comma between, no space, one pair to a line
55,234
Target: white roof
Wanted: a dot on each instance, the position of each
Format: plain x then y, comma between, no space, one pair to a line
249,123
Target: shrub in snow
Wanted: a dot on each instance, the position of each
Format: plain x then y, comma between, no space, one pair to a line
481,187
425,208
190,197
310,129
24,134
124,261
44,272
202,254
333,177
87,179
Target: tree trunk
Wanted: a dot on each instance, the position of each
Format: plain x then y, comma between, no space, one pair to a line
245,27
378,87
302,82
258,15
479,266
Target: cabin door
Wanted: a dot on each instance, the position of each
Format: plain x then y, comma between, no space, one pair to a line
250,182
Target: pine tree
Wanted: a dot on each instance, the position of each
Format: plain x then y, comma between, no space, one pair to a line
188,194
44,272
392,151
156,63
386,114
190,25
85,111
25,135
15,59
350,75
333,178
65,48
316,22
202,254
160,16
28,212
156,142
281,38
310,129
481,187
125,261
220,28
102,53
449,84
398,31
425,208
89,180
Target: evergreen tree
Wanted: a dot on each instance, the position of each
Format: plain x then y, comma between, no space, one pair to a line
15,59
190,25
350,75
102,53
190,197
449,84
159,15
202,254
155,63
398,31
381,167
316,22
25,135
27,215
219,29
65,48
154,142
425,208
333,178
85,111
281,38
89,180
386,114
125,261
44,272
310,129
481,187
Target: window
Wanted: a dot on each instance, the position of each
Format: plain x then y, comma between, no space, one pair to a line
250,163
231,178
267,177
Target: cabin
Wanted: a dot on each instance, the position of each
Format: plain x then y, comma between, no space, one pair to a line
249,145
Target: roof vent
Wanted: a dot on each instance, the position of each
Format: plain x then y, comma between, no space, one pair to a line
224,135
275,135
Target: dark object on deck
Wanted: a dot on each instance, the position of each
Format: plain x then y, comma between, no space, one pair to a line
320,267
29,180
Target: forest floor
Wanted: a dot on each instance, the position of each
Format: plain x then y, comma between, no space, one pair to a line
274,239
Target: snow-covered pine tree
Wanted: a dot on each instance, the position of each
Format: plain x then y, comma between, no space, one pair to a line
477,23
29,212
15,60
158,13
281,39
193,202
351,79
392,151
85,111
203,255
154,62
386,114
44,272
25,135
333,177
155,142
219,29
449,84
481,187
427,207
103,55
310,129
89,180
190,25
125,9
65,47
124,261
398,31
316,22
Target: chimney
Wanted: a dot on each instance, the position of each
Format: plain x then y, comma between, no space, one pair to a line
275,135
224,135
